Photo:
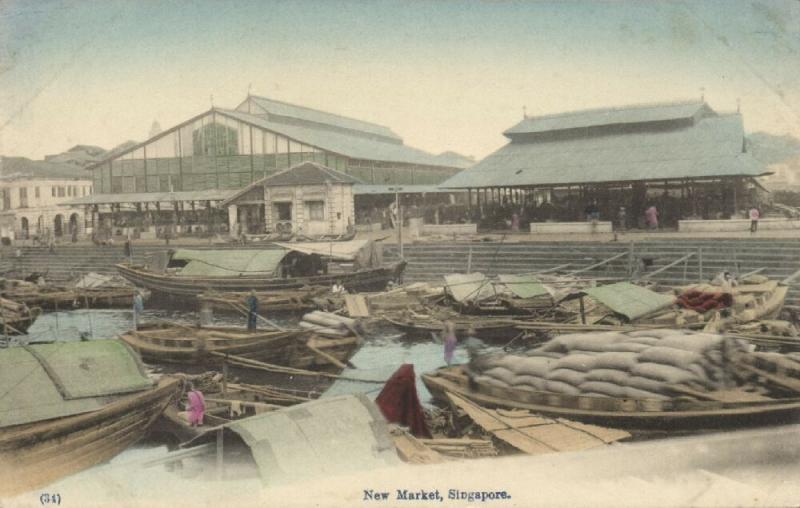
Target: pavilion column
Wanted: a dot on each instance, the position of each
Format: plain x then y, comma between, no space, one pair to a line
233,213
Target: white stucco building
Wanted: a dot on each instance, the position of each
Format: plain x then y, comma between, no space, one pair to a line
31,197
308,199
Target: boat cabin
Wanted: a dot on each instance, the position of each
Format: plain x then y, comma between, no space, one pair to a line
286,260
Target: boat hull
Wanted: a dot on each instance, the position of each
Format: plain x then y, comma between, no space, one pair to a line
677,415
193,345
35,455
374,279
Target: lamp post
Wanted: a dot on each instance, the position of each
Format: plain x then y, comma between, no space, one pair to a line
396,191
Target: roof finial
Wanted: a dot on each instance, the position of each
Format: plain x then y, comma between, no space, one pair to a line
524,112
249,87
211,99
738,105
702,94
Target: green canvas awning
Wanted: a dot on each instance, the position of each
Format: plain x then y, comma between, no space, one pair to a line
220,263
629,300
523,286
46,381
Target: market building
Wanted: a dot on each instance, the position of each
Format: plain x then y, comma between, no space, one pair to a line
181,175
32,194
684,158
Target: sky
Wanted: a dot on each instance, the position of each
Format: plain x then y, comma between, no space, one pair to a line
444,75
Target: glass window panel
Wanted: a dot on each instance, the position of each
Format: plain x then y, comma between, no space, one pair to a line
244,139
281,152
258,142
315,210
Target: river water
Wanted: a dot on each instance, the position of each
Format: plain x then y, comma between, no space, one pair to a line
383,351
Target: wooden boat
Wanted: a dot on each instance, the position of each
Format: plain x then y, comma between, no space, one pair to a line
16,317
751,302
483,328
278,301
69,415
55,297
187,273
225,404
729,409
173,343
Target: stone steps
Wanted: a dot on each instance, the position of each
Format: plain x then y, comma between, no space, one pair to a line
430,261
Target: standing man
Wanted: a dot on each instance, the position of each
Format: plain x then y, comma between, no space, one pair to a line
128,248
252,310
651,217
138,308
754,216
622,217
450,341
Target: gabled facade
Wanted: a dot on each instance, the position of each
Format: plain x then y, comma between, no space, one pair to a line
308,199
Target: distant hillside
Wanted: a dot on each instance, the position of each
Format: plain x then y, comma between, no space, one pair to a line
771,149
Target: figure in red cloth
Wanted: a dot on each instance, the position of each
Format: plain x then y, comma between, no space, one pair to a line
399,401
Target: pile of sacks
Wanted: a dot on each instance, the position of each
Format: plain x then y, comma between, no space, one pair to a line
645,364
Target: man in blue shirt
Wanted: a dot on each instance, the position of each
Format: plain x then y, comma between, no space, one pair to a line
252,310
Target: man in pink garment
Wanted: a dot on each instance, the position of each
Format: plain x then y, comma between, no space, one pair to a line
195,408
651,217
754,216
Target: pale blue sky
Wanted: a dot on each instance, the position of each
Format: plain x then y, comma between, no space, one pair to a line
445,75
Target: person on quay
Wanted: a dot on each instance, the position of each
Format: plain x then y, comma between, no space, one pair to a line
138,308
450,341
755,215
252,310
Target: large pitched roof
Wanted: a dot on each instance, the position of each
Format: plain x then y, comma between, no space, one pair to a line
643,113
278,111
708,146
339,141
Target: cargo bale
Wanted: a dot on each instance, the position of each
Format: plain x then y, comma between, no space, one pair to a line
656,334
531,366
569,376
616,361
538,353
502,374
589,341
697,342
560,387
645,383
647,341
534,382
670,356
666,373
606,389
617,377
625,347
576,361
491,381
